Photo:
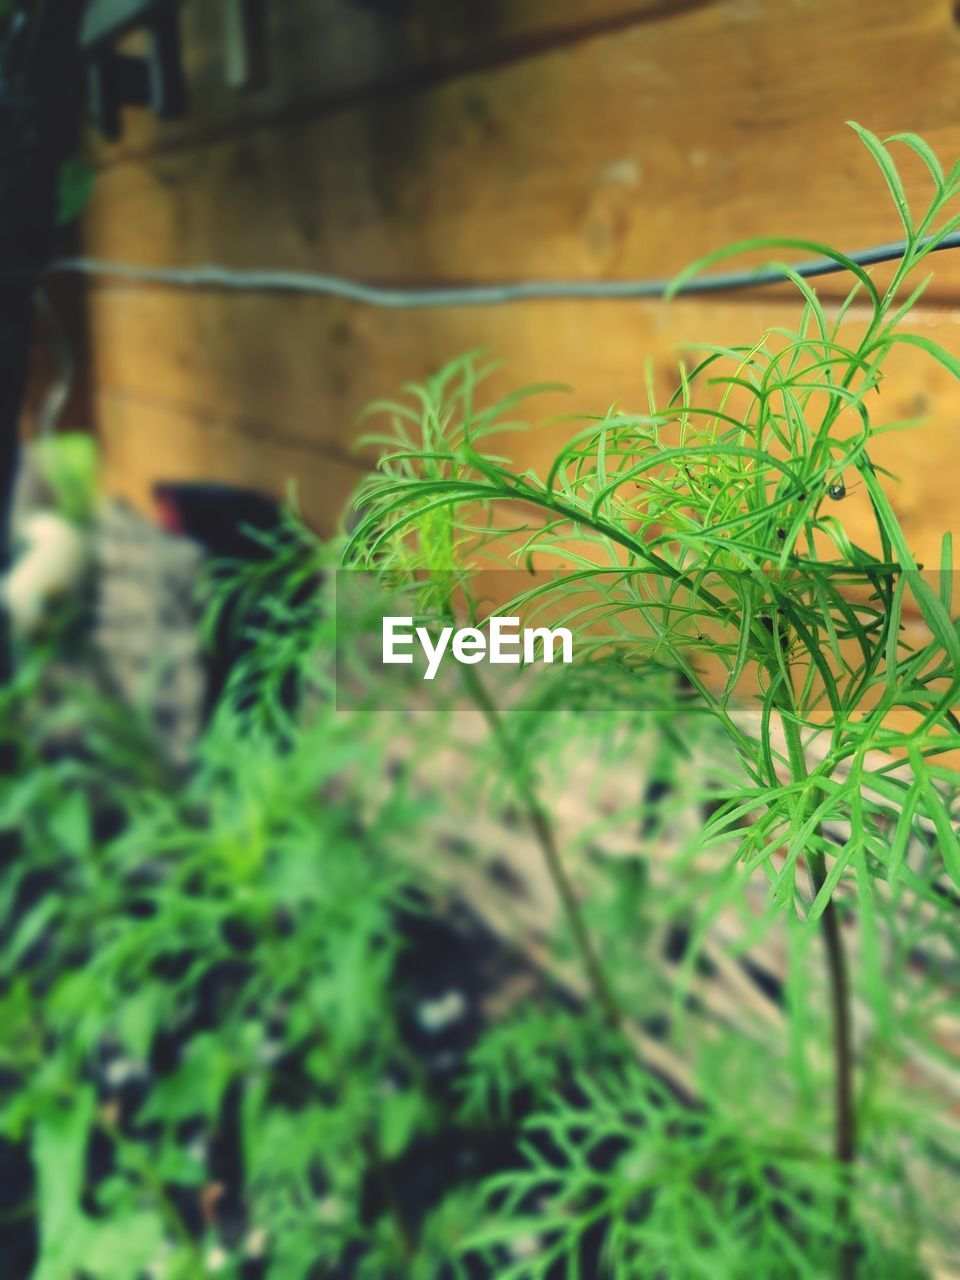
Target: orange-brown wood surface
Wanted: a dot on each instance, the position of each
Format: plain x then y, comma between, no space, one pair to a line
316,54
591,139
323,361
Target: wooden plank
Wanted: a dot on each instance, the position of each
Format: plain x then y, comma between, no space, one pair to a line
144,442
622,155
318,53
285,379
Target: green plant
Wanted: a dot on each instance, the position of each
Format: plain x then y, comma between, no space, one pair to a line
205,1070
706,538
209,1067
209,979
69,464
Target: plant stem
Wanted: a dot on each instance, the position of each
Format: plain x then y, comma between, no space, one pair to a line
393,1205
845,1125
546,838
844,1131
158,1190
845,1134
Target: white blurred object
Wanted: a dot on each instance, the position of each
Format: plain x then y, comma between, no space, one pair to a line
52,565
436,1015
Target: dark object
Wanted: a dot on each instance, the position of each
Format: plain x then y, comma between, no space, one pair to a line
657,789
37,78
764,979
19,1234
242,526
837,491
226,520
783,630
392,8
118,79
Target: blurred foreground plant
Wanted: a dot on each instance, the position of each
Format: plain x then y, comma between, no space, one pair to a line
205,1069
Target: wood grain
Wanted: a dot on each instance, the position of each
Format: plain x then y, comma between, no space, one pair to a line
294,374
144,442
315,55
625,154
605,139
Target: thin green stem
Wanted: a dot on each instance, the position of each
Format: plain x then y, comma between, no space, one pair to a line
157,1189
845,1148
391,1200
546,838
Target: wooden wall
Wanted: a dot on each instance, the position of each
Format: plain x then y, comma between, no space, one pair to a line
451,140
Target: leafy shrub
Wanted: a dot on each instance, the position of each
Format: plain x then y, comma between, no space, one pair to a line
255,1029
